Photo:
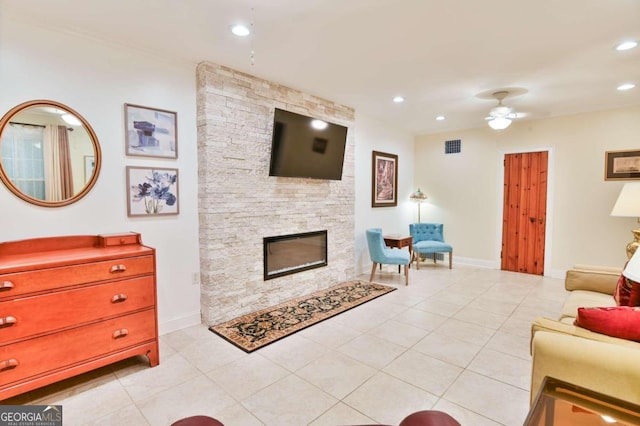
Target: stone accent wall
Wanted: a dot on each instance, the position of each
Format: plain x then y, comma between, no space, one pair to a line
239,203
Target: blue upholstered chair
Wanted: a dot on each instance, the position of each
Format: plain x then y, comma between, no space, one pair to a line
382,255
428,239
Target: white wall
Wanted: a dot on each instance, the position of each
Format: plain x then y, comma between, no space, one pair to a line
375,135
466,188
96,80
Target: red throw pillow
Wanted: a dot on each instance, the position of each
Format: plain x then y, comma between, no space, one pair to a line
627,292
618,321
634,296
621,295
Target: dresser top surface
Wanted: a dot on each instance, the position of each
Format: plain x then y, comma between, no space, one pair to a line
50,252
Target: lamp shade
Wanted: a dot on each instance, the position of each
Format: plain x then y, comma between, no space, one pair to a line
628,202
632,270
418,196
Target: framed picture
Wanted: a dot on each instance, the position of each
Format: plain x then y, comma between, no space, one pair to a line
152,191
384,185
151,132
89,165
622,165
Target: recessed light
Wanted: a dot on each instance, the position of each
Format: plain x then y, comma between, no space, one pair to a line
240,30
626,45
398,99
440,117
71,119
626,86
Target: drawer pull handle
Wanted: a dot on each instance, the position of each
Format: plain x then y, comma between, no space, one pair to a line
7,321
119,298
8,364
118,334
6,285
118,268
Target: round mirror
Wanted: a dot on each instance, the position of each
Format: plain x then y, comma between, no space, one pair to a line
49,154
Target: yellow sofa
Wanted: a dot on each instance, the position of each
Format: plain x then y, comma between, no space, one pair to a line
576,355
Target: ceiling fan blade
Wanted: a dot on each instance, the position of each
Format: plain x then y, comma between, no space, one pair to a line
515,115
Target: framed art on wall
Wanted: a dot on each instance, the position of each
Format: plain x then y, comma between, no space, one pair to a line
622,165
89,166
152,191
384,185
151,132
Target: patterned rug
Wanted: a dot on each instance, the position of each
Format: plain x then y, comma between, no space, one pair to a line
253,331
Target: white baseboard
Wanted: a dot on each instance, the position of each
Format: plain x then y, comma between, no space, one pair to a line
556,273
481,263
179,323
490,264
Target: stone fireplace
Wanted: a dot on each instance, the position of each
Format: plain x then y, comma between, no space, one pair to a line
288,254
239,203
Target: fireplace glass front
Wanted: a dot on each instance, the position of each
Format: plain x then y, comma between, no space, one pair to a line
288,254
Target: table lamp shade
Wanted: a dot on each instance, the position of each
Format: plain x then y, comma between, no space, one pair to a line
628,202
632,270
418,196
628,205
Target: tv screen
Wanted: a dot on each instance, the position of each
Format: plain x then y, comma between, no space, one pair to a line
305,147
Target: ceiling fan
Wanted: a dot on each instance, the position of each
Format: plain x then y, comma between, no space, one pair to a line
500,116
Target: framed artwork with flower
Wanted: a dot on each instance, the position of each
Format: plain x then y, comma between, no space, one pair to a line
152,191
151,132
384,176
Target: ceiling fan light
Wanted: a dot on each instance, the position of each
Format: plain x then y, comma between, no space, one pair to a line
499,123
500,111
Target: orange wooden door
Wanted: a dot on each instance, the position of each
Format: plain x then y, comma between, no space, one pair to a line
524,212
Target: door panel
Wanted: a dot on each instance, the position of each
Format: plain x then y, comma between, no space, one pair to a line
524,212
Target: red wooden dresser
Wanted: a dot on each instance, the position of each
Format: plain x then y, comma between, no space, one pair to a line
72,304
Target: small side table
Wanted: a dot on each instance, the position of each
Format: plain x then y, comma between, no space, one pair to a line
560,403
398,241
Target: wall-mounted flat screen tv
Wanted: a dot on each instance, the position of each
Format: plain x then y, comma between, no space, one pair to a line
305,147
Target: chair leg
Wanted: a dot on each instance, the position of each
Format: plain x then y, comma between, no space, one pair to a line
406,274
450,258
417,257
434,257
373,271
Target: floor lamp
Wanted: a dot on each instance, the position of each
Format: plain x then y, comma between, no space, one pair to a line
418,197
628,205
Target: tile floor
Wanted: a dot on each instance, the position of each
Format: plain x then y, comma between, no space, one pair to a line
453,340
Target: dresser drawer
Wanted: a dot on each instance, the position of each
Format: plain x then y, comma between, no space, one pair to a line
28,316
117,239
12,285
61,350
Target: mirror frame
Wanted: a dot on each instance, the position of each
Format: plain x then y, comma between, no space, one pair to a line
92,135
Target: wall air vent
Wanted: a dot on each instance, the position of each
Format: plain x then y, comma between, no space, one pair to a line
453,146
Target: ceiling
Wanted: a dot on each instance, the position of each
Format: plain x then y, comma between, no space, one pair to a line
438,54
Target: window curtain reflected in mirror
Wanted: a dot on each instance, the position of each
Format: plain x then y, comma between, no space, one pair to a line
37,159
22,158
57,163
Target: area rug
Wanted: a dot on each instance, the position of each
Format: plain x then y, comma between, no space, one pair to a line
258,329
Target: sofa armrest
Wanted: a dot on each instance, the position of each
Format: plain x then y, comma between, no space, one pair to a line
595,361
546,324
592,278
